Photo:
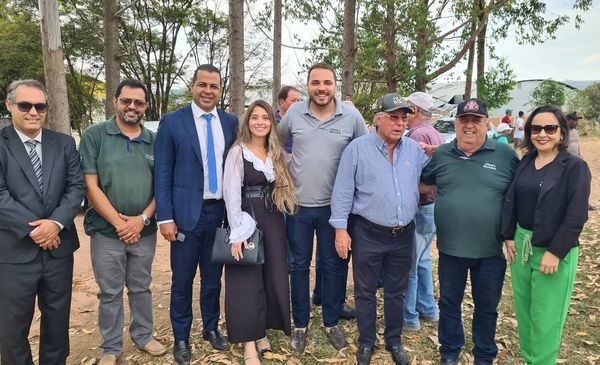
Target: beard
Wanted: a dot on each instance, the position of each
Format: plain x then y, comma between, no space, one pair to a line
128,120
314,99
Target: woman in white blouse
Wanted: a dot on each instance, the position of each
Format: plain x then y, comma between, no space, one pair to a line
257,191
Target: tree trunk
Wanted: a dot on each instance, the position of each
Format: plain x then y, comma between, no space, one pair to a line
470,59
422,48
348,48
390,47
54,68
277,19
481,50
236,54
112,63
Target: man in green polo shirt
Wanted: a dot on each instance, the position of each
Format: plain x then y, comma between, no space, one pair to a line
472,175
118,165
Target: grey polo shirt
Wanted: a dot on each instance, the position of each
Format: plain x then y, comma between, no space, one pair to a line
318,147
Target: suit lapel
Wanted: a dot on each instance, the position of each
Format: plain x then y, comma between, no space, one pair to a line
190,125
48,157
553,175
22,157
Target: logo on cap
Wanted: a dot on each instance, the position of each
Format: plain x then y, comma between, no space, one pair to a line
471,105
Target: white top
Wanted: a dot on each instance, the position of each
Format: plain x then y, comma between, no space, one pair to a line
241,223
519,128
219,144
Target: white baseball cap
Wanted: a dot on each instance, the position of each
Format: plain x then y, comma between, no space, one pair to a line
422,100
503,127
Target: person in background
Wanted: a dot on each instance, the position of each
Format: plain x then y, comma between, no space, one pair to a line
287,96
519,131
419,295
573,123
41,190
472,174
544,212
507,117
502,133
257,191
374,202
188,184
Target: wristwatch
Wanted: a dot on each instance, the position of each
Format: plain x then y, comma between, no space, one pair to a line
145,219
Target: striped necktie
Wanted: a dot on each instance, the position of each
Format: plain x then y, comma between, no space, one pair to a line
35,161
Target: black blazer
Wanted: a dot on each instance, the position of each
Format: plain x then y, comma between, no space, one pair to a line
562,205
21,200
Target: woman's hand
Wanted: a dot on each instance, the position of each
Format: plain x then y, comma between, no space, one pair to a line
549,263
511,250
236,250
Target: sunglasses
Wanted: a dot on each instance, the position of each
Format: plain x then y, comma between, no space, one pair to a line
25,107
549,129
136,102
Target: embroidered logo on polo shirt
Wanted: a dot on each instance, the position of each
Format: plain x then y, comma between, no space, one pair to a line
149,157
491,166
334,130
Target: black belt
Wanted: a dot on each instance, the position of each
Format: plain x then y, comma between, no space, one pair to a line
211,201
256,191
392,230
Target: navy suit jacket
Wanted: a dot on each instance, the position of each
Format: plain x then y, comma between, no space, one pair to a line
21,200
178,170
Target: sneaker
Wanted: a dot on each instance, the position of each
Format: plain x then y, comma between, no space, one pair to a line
411,327
298,343
108,360
336,337
435,318
154,348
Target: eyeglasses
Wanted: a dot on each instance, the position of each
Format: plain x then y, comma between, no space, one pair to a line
549,129
136,102
25,106
397,117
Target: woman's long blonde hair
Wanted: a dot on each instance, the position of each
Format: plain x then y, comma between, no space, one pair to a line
283,192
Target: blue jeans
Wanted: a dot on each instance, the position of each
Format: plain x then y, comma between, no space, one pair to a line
419,296
303,225
487,277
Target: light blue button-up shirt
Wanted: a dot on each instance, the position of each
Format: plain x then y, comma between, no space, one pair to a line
369,185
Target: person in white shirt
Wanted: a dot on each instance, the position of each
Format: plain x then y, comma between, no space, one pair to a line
519,130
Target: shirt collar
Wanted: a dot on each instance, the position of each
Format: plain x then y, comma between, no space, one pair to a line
380,143
198,112
113,129
25,138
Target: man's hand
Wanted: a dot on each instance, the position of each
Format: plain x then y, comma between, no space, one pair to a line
428,148
511,251
169,231
45,233
343,242
549,263
130,231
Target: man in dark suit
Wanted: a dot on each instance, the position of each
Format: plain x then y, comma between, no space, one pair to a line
41,190
190,151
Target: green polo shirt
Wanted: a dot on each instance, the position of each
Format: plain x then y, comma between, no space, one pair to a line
470,197
125,171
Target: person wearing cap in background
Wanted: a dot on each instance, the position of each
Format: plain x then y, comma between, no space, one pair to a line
373,205
419,295
573,146
472,174
519,130
502,133
506,118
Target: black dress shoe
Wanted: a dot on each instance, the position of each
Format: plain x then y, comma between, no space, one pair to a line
398,354
181,352
336,337
363,355
298,343
347,312
217,341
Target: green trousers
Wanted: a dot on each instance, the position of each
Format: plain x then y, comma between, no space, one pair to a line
541,301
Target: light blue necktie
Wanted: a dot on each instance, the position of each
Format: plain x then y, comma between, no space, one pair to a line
212,161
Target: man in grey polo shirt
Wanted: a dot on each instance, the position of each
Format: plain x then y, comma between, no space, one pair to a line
321,127
118,164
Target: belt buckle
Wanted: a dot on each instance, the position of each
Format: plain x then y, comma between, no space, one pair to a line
397,229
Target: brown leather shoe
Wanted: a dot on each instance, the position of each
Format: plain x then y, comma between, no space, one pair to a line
108,360
154,348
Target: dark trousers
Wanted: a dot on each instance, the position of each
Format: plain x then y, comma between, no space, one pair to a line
301,229
374,251
195,251
487,277
50,280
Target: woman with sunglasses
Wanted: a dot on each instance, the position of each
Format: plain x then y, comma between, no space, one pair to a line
257,190
544,212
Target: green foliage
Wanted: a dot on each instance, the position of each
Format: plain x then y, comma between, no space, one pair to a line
576,100
548,92
592,111
496,85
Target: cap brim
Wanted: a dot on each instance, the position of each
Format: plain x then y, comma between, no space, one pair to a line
471,113
408,108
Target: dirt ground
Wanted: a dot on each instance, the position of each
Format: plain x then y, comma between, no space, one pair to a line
84,334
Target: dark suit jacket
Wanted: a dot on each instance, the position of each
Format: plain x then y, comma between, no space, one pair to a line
21,200
178,170
562,204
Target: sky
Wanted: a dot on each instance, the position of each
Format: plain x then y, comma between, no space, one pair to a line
573,55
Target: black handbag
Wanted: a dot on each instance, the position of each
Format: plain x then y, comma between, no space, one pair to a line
254,254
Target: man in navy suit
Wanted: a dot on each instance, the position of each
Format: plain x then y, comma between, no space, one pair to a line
41,190
190,151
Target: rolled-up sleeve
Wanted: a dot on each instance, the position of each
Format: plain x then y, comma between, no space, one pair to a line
342,196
